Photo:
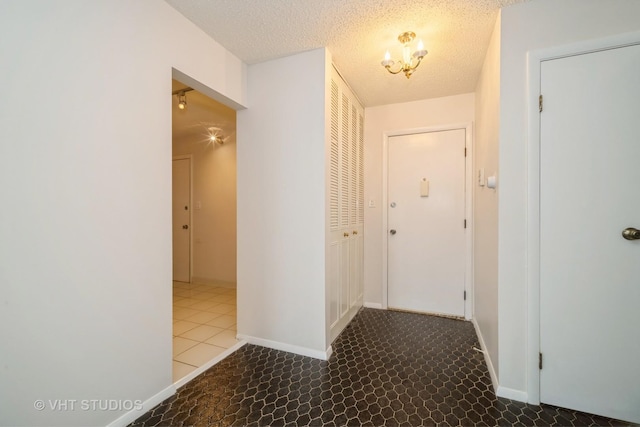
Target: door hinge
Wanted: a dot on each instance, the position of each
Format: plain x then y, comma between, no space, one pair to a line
465,295
465,151
465,223
540,361
540,103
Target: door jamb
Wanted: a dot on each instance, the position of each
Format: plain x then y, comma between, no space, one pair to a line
190,158
468,281
534,61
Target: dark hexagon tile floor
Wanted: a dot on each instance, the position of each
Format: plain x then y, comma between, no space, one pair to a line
388,368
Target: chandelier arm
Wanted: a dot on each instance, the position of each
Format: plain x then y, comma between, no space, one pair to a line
417,63
393,72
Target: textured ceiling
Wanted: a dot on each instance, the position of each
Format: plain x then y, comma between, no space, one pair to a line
357,33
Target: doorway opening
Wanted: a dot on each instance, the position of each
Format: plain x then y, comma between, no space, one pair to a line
204,231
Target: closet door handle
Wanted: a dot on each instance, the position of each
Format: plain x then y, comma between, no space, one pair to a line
346,234
631,233
355,233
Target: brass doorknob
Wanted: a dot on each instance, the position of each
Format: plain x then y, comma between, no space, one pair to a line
392,232
186,227
355,232
346,234
631,233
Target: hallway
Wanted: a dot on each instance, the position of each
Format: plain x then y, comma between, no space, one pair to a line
388,368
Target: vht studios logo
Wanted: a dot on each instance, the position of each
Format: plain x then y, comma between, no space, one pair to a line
88,405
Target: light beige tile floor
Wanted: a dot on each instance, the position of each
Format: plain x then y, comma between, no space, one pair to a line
204,324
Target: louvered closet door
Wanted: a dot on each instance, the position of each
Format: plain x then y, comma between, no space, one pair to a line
356,194
345,202
345,206
335,237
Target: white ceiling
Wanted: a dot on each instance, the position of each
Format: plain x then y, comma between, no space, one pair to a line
202,112
357,33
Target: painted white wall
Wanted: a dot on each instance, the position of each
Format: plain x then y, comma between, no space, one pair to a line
85,229
281,204
485,208
530,26
458,109
214,224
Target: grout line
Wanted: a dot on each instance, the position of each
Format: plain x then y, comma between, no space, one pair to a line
196,294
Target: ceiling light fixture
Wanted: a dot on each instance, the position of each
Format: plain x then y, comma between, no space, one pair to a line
215,135
407,65
182,101
182,97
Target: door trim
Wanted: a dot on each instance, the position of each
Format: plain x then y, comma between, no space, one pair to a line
190,158
534,60
468,276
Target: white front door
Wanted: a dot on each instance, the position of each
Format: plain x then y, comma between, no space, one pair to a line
426,214
181,219
590,274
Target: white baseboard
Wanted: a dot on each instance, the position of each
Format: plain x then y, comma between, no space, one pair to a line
487,357
509,393
329,352
213,282
289,348
191,375
147,405
375,305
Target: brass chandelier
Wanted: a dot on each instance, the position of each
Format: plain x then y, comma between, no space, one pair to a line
409,62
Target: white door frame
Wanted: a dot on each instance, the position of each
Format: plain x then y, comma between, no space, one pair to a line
190,158
534,60
468,276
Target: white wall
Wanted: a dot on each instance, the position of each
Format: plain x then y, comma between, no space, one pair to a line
85,229
214,224
281,204
530,26
457,109
485,208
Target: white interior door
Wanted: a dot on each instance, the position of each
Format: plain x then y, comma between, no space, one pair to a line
589,274
426,242
181,219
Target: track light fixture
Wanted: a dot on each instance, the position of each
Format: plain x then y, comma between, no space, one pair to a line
182,97
182,101
215,135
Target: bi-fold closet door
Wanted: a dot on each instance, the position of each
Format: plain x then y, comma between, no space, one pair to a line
346,206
